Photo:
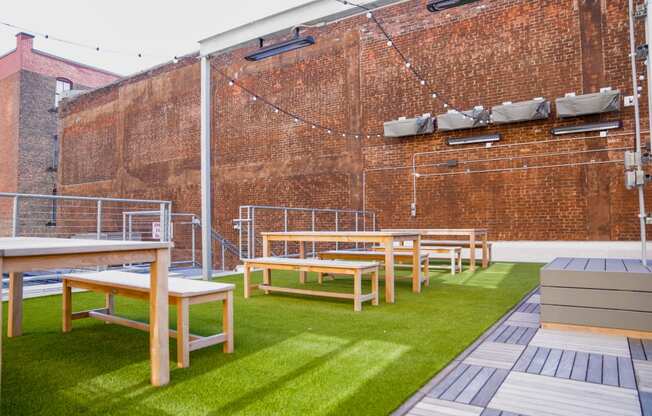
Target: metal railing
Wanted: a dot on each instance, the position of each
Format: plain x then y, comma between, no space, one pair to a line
31,215
255,219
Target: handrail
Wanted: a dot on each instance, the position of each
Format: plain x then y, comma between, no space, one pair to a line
82,198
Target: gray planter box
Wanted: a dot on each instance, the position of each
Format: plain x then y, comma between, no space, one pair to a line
581,105
521,111
409,127
454,120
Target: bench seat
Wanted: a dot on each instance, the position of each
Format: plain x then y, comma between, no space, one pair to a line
181,292
400,257
353,268
452,253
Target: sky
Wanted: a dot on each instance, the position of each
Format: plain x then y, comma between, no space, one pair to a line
163,29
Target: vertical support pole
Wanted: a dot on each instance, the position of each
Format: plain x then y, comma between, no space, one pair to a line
207,255
14,218
648,39
193,243
253,232
183,333
356,227
337,228
66,308
389,269
124,226
472,251
227,322
222,248
313,229
131,227
285,228
162,219
98,231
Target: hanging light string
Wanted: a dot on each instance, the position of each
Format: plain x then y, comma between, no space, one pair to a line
408,64
280,110
97,48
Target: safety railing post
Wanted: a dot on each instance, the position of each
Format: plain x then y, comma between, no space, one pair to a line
337,228
14,218
285,228
313,229
356,226
222,247
253,232
162,219
98,230
193,221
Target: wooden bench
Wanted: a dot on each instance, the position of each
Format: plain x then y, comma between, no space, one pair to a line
400,257
355,269
181,292
486,256
452,253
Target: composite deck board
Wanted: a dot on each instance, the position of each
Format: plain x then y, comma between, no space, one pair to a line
560,263
615,265
460,384
527,336
513,339
565,367
577,265
530,320
626,376
643,371
580,366
596,265
491,412
636,348
536,298
538,361
647,347
646,403
610,370
552,362
497,332
594,371
635,266
473,388
536,395
582,342
434,407
506,334
495,354
442,386
524,361
489,389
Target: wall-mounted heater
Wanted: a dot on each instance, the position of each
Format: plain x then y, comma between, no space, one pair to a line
537,109
584,128
439,5
265,52
573,105
456,120
404,127
487,138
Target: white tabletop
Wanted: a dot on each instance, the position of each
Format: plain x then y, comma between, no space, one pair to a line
38,246
344,233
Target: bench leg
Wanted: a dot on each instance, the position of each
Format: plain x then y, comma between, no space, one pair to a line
183,333
302,255
357,291
267,279
426,272
109,304
374,287
247,281
453,265
15,307
320,278
459,261
67,307
485,252
227,322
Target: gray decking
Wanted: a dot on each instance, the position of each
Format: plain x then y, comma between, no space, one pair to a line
517,369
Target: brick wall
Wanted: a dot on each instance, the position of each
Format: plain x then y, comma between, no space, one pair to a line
508,50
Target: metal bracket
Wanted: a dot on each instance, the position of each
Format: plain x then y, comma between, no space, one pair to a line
641,11
642,52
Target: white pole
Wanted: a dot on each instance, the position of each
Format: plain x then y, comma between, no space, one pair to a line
206,249
648,39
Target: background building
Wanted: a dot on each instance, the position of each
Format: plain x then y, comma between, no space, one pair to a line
32,83
140,137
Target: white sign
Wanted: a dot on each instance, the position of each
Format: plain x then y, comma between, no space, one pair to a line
156,230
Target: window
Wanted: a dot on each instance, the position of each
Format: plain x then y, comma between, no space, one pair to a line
63,84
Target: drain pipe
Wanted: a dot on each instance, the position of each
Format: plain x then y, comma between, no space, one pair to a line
637,120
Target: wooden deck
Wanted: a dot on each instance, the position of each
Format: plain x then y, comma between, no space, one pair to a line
517,369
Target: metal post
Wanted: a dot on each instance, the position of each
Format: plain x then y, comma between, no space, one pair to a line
253,232
98,230
131,227
163,216
313,229
207,255
14,219
648,39
124,226
285,220
192,233
222,247
337,228
356,226
637,126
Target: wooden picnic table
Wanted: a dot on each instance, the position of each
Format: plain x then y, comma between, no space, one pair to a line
472,233
25,254
384,238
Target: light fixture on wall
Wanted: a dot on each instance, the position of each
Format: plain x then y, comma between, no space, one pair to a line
487,138
584,128
439,5
265,52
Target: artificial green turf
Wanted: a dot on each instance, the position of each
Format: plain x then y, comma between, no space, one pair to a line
293,355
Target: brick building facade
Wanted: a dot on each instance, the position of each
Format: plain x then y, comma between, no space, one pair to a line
29,79
140,137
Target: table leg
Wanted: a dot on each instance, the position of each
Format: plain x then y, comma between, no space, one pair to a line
302,255
374,287
247,281
485,252
426,271
159,320
472,252
267,250
389,271
416,265
183,333
15,307
227,322
357,291
66,307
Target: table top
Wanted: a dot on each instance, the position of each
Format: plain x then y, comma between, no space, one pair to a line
442,231
385,233
39,246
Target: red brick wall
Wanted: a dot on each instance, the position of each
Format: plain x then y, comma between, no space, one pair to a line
509,50
9,119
